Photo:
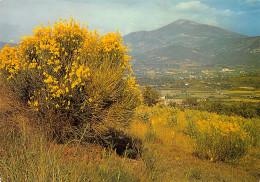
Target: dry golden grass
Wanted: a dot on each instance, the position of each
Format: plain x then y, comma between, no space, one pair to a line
167,153
26,154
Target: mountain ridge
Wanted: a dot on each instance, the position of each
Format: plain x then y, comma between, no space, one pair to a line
2,44
185,21
212,45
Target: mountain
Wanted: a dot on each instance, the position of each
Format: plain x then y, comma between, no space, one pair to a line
185,40
2,44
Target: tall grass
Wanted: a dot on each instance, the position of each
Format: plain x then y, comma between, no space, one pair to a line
192,145
28,156
167,154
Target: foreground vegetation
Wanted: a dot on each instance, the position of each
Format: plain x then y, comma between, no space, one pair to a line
72,78
71,111
176,146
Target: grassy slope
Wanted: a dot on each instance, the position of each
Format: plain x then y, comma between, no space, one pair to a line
167,155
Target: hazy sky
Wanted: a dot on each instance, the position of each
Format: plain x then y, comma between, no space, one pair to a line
241,16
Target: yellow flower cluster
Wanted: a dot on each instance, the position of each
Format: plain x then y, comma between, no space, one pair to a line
9,61
65,59
218,136
214,124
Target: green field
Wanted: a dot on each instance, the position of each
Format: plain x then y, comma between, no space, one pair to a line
247,96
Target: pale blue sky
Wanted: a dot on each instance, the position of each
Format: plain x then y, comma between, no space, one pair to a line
241,16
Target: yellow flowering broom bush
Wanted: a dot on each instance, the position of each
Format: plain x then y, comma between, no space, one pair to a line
218,137
69,74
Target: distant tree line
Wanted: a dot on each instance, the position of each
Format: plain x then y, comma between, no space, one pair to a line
244,109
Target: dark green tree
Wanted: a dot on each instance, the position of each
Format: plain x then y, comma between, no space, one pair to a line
191,102
150,96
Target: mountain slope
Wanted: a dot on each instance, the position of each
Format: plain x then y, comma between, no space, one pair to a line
181,32
204,44
2,44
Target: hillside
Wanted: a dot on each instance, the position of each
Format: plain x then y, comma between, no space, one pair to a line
168,153
201,44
